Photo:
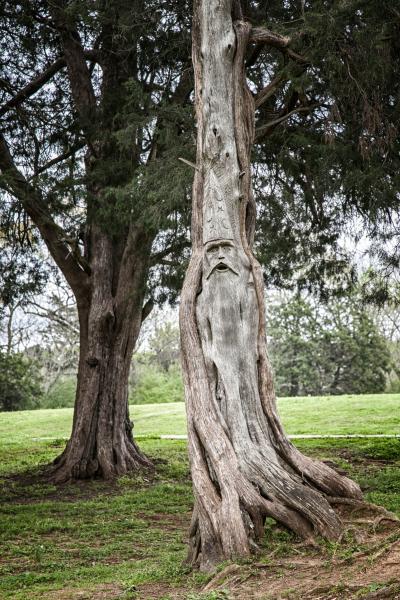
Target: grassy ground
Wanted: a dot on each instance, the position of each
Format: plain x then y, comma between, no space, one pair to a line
127,539
374,413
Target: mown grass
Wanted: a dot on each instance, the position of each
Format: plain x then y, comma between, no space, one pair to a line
128,537
85,535
132,533
374,413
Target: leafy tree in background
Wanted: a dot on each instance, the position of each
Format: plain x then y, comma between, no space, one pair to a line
164,344
156,386
157,374
322,349
94,117
19,383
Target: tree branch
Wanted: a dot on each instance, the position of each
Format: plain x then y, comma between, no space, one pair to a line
147,308
33,86
38,82
264,129
51,315
269,89
261,35
78,72
158,256
53,235
58,159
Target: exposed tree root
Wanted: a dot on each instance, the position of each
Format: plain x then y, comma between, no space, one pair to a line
360,505
321,575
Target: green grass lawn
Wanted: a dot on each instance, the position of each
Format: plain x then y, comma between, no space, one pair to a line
127,539
375,413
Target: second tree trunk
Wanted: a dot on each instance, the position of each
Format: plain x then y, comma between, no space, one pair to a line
101,442
243,466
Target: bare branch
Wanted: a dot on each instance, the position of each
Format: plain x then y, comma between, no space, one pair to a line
188,162
261,35
269,89
52,315
264,129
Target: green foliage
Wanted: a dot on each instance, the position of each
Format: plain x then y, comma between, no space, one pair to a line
327,349
335,159
164,345
157,386
19,383
61,395
336,164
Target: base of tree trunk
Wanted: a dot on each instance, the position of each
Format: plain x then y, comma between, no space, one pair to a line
107,460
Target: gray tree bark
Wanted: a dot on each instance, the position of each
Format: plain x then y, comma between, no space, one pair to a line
243,466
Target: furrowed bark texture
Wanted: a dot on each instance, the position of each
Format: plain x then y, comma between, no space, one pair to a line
110,317
243,466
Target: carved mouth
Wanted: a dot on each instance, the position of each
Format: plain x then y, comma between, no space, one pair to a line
221,268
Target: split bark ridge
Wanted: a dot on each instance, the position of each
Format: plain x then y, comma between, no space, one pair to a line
243,466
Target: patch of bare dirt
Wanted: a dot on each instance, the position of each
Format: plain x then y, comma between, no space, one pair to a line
155,591
106,591
18,487
365,567
167,521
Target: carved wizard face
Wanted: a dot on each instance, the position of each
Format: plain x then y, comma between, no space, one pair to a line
221,257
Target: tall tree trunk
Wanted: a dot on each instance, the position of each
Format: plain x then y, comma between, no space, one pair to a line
243,466
101,442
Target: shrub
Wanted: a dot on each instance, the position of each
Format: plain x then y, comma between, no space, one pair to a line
19,383
62,393
157,386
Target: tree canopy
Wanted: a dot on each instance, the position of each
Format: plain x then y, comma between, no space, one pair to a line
326,155
327,144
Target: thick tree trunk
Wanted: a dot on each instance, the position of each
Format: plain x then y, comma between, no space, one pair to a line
101,442
243,466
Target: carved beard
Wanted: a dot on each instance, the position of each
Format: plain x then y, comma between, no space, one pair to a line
228,315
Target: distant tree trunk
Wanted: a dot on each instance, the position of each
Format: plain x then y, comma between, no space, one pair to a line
101,442
243,466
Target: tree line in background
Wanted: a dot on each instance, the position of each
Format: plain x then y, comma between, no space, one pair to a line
338,347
